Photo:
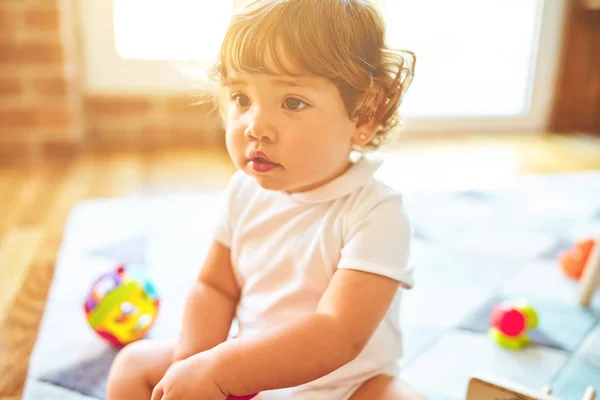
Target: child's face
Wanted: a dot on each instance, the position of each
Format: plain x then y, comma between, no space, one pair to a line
299,123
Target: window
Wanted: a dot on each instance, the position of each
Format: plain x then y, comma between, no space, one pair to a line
479,62
169,29
474,56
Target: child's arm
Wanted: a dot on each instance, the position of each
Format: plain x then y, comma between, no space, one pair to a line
210,306
308,348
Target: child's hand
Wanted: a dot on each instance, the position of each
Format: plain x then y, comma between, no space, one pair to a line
188,379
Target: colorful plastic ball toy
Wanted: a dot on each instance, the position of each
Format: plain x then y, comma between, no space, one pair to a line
510,322
122,305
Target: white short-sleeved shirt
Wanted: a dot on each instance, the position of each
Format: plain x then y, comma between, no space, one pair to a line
285,249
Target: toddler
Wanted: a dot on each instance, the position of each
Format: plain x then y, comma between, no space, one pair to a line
311,252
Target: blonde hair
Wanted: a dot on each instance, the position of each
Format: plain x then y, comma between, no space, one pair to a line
341,40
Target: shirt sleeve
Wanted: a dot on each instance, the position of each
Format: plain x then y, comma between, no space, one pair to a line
378,241
223,230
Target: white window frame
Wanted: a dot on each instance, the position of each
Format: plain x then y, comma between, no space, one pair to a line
106,72
544,73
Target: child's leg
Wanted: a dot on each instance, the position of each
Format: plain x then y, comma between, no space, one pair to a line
138,368
384,387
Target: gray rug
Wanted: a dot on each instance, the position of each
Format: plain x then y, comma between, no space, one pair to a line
472,250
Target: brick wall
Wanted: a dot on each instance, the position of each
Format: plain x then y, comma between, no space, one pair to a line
39,93
150,121
43,105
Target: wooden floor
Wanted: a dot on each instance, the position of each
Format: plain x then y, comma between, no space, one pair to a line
35,201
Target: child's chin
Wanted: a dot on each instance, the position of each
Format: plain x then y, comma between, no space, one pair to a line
267,182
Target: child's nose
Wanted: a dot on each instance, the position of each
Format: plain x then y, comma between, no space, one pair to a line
260,127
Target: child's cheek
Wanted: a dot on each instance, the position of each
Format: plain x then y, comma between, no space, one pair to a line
235,126
302,152
235,140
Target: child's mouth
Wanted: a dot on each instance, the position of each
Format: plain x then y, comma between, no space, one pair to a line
262,165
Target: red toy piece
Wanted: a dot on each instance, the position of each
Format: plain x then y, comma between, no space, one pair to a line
510,322
574,260
250,396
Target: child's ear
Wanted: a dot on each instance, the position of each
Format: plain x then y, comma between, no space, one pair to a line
365,131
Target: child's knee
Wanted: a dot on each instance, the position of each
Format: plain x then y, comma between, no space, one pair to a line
122,367
128,365
127,374
142,362
130,355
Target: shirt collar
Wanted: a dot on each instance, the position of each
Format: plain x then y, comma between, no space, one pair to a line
360,172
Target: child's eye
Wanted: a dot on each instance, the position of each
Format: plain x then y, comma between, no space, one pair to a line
294,104
241,100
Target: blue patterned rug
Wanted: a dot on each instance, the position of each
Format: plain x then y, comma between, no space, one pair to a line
472,250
